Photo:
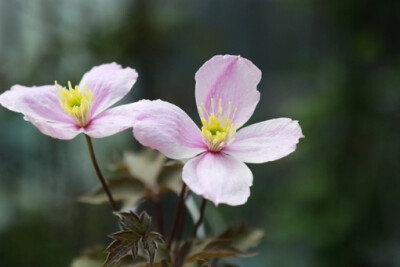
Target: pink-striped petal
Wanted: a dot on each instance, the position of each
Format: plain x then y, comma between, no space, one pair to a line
219,178
108,83
232,79
167,128
265,141
40,103
111,121
58,130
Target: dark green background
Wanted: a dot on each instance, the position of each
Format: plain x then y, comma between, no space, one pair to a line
333,65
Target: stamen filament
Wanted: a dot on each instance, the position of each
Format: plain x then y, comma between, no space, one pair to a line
77,103
217,131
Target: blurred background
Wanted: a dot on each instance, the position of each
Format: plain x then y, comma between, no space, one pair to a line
332,65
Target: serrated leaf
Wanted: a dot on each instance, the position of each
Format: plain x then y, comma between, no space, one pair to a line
162,257
150,245
154,236
135,234
145,221
151,248
242,237
233,242
212,249
138,224
122,189
125,235
117,250
196,250
134,251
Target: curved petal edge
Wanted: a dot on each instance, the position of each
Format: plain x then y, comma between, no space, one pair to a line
231,80
219,178
56,130
111,121
265,141
167,128
109,83
39,102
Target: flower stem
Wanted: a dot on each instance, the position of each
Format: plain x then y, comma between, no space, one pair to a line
178,215
202,210
181,222
159,213
179,235
99,174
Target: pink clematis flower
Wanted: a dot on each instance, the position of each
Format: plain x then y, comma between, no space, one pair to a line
226,96
64,113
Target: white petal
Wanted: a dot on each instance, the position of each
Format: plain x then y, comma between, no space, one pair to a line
111,121
265,141
109,83
219,178
232,79
167,128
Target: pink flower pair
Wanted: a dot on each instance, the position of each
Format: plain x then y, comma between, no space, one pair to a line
226,96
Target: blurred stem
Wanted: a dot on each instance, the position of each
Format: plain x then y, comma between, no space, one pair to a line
181,224
202,211
178,215
159,214
182,221
99,174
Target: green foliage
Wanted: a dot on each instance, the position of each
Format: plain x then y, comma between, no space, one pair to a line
242,237
135,234
334,65
232,243
144,175
127,189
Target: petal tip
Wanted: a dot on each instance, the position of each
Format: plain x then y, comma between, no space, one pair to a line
235,202
300,131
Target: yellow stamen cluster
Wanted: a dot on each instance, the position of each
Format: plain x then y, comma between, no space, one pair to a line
217,131
75,102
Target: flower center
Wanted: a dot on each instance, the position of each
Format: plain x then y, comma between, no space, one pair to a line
75,102
217,130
